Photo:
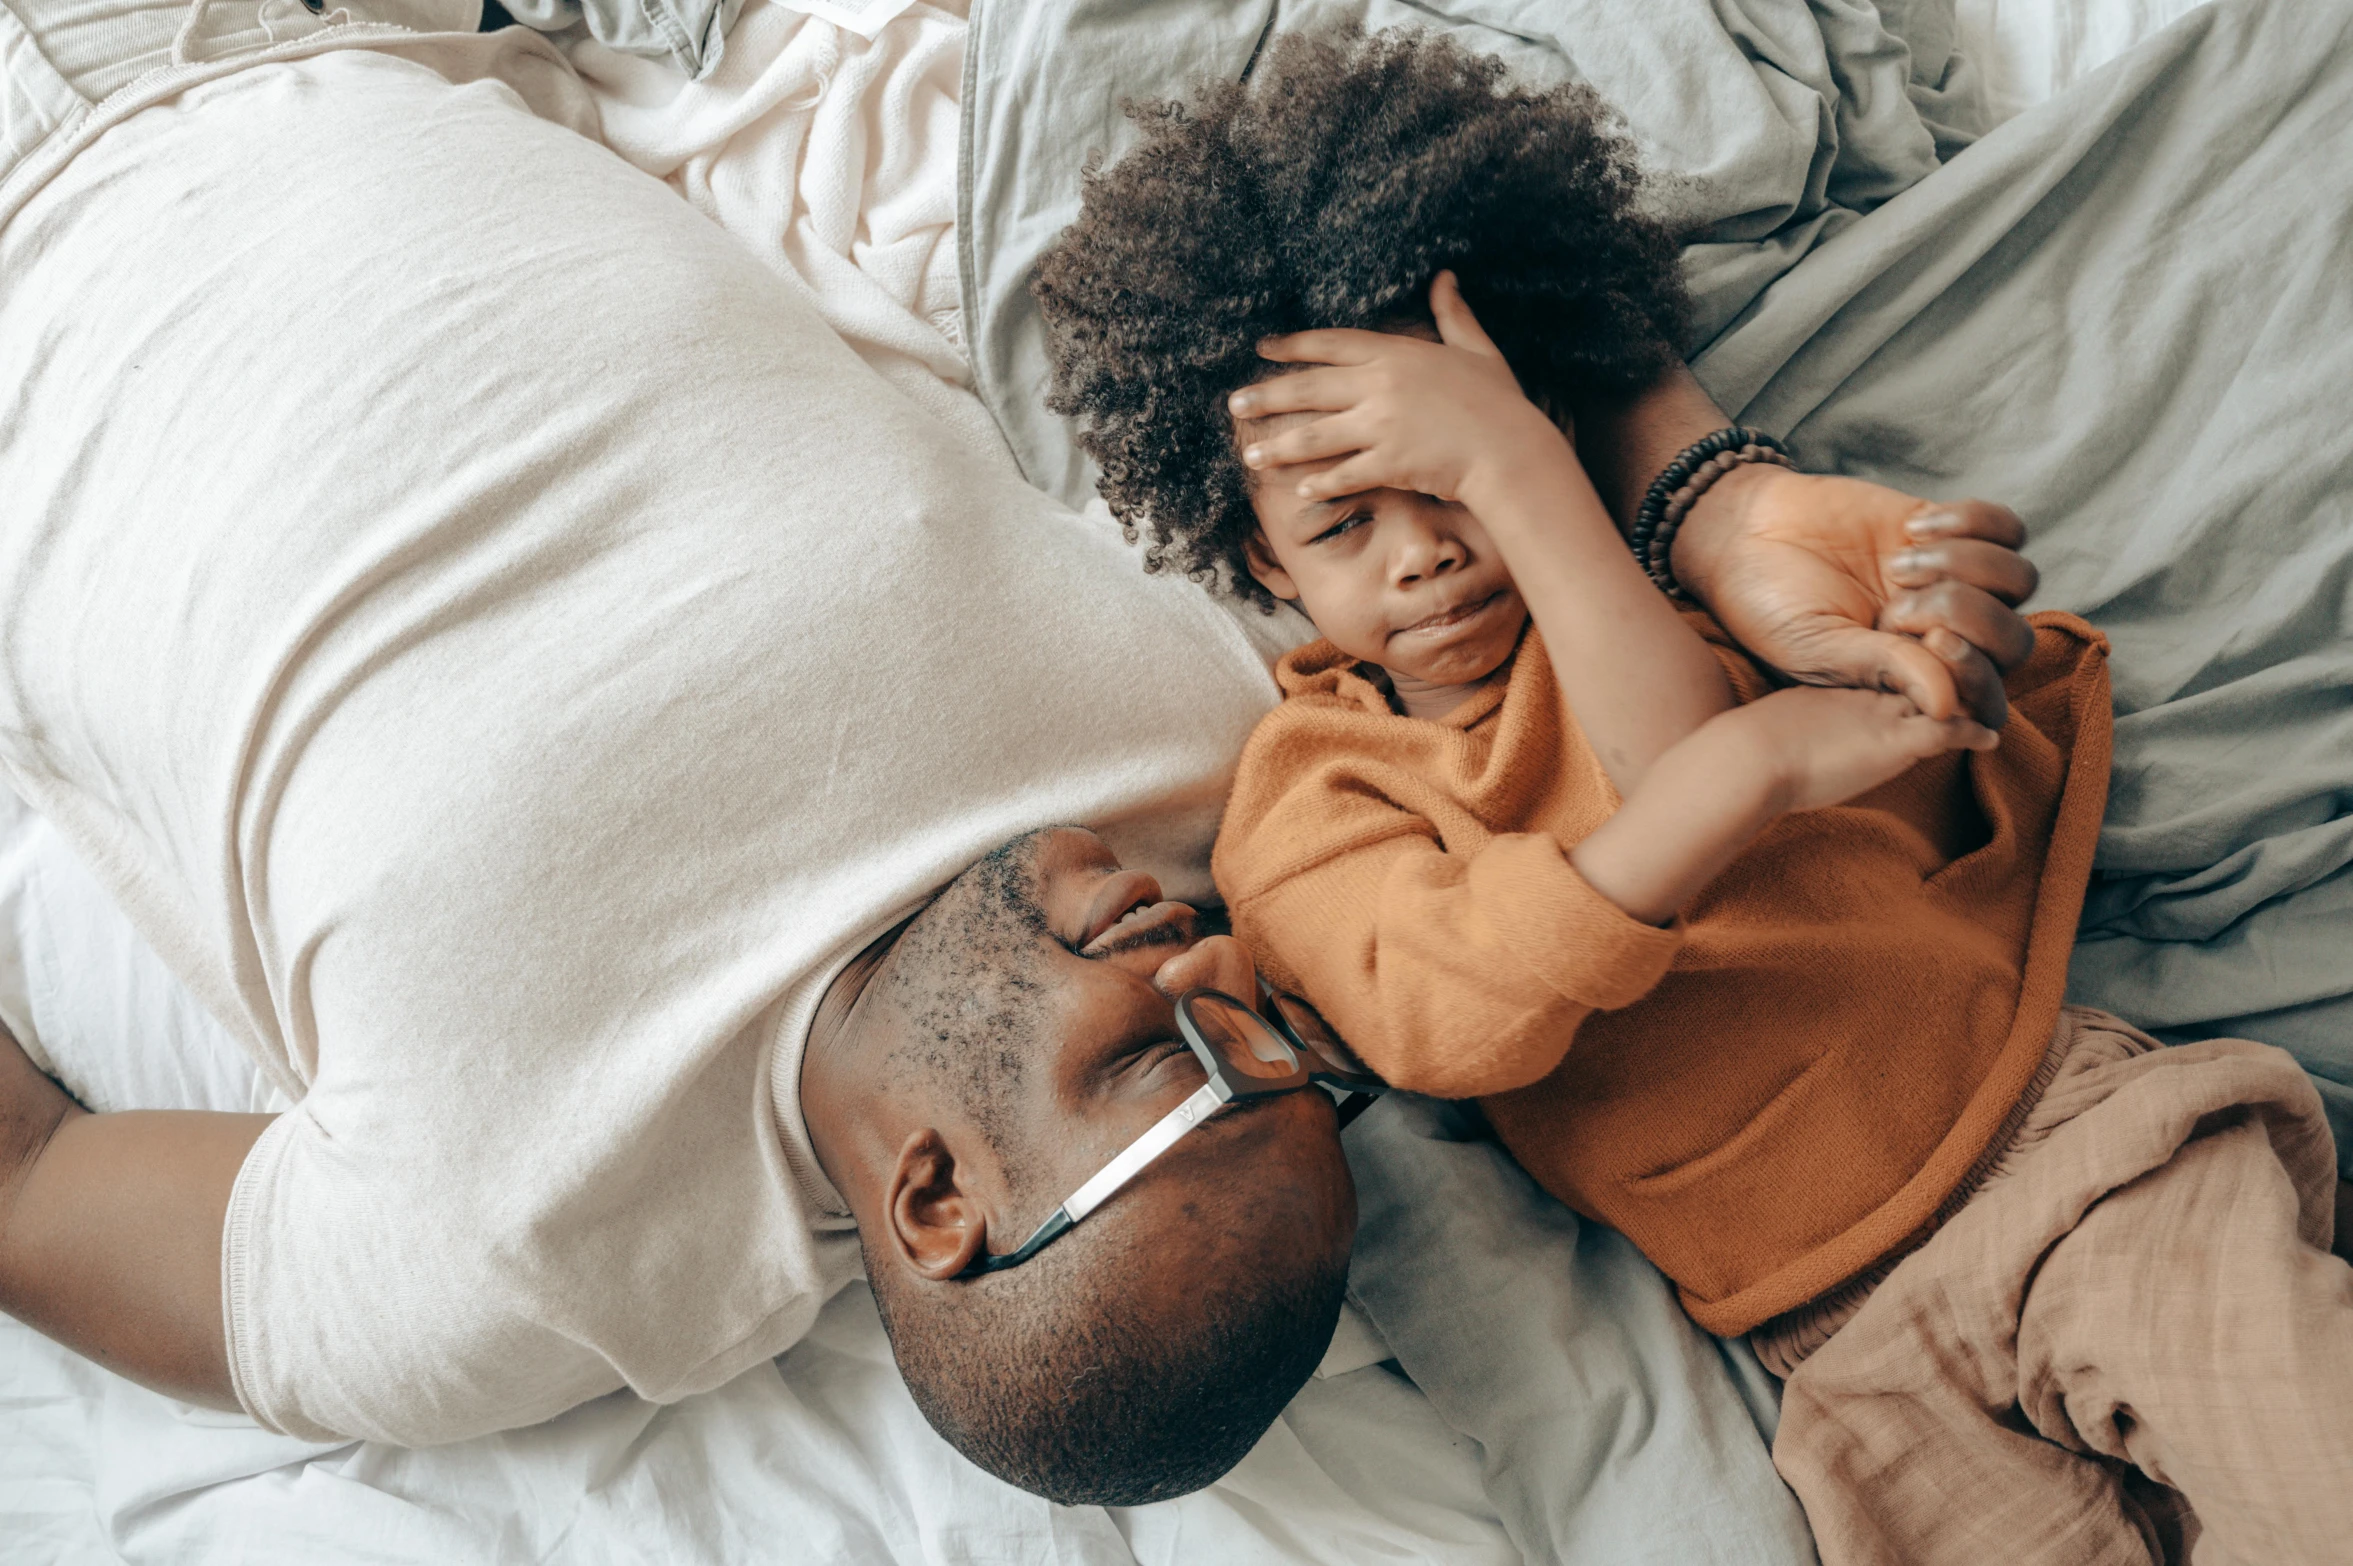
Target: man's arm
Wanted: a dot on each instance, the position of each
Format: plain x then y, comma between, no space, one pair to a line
1834,581
110,1230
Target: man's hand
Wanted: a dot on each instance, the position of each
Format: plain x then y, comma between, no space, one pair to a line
1837,581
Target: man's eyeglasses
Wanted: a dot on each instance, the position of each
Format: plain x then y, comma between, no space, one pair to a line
1248,1053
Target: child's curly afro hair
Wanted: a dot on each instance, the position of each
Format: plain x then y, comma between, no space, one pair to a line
1327,190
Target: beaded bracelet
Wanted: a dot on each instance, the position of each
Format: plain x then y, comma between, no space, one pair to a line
1677,489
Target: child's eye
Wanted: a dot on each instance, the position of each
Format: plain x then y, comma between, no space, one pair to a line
1346,524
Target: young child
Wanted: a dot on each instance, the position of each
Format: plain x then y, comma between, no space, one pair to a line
1769,980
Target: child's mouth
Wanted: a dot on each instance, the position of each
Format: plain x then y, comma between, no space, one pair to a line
1448,619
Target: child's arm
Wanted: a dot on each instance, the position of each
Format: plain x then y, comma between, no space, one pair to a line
1447,419
1461,974
1709,796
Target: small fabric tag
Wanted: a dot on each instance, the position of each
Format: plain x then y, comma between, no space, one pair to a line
863,17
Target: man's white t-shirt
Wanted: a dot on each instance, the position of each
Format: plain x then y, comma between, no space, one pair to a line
506,654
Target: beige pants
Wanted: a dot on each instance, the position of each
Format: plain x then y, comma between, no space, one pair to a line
2142,1282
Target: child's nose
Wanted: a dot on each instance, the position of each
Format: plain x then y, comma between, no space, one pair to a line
1426,552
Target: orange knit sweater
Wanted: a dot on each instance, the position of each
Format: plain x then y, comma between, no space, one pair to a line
1767,1096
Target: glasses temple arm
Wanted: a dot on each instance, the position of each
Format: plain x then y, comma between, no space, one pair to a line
1206,1101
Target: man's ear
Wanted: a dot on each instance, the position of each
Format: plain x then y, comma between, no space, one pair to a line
1263,565
936,1224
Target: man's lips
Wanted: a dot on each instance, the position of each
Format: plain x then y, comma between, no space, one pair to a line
1448,619
1145,925
1121,893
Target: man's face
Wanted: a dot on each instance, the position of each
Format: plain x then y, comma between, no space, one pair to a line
1105,959
1020,1034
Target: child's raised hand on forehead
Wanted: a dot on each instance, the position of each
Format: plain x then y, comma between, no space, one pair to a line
1440,418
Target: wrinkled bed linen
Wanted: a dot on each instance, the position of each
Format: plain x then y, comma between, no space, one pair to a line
2129,315
1768,123
2124,313
2028,50
832,156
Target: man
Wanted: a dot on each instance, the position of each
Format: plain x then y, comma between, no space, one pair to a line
510,659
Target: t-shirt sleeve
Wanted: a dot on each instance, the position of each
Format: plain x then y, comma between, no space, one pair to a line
350,1312
1456,975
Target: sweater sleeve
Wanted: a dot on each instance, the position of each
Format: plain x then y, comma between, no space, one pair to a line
1456,975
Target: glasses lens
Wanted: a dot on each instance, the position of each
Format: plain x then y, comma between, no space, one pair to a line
1242,1039
1331,1054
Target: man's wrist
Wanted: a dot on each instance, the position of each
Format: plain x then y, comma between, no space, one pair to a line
1715,520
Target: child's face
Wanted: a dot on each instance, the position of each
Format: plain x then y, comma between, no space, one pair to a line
1394,578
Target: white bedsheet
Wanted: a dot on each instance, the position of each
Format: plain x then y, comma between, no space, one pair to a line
833,156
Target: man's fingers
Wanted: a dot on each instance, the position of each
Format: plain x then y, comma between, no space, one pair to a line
1457,326
1979,519
1326,345
1880,661
1992,568
1322,390
1975,678
1971,613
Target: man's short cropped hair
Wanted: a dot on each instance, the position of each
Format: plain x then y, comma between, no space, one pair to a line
1328,190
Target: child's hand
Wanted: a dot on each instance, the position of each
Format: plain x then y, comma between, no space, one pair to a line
1432,417
1823,747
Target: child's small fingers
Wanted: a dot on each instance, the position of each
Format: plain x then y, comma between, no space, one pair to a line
1457,326
1320,390
1352,477
1935,735
1325,345
1327,437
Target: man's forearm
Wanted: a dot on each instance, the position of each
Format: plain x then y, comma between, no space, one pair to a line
110,1230
1625,445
